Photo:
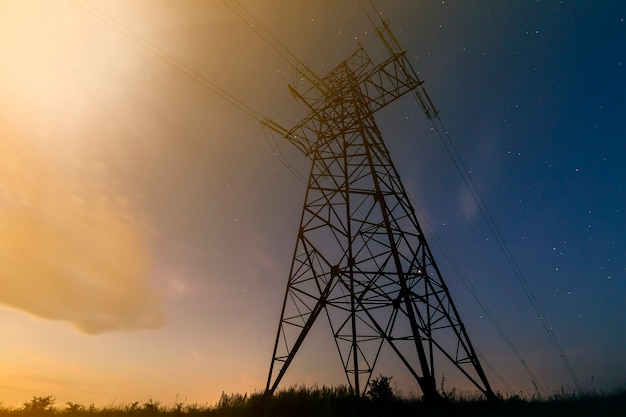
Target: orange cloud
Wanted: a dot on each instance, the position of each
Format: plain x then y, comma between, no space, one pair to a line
71,248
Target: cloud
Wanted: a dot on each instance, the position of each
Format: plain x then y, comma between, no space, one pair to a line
72,249
467,202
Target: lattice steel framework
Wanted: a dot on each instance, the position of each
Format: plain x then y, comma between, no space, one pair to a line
361,256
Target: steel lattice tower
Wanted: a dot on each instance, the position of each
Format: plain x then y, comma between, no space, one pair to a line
361,257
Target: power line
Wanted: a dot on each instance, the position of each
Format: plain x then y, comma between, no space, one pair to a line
192,74
264,33
495,231
467,282
284,53
168,58
275,146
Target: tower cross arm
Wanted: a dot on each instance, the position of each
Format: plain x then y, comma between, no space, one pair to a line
389,80
300,144
382,84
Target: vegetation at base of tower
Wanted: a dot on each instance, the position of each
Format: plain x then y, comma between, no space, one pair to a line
303,401
380,390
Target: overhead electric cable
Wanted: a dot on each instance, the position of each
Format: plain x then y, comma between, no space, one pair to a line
467,282
495,231
189,72
166,57
265,34
281,156
282,53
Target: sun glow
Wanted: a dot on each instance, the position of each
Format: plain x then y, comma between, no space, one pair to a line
72,246
58,69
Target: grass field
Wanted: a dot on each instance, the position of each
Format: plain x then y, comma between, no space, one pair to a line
338,401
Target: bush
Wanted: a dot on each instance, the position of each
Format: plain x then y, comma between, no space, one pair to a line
38,404
380,389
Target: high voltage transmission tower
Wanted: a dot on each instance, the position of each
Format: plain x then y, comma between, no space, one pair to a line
361,258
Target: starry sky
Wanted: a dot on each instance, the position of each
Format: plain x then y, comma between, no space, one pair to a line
147,224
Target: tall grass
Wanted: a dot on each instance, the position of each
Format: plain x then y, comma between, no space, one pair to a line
304,401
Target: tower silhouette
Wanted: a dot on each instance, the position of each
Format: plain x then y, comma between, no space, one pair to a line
361,257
